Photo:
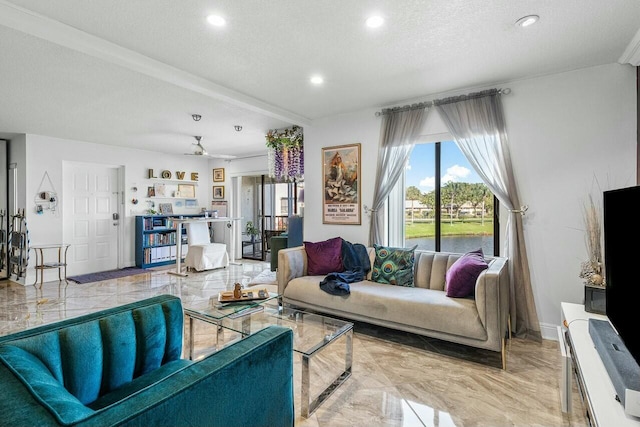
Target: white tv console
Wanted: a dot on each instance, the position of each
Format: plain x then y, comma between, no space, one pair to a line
583,361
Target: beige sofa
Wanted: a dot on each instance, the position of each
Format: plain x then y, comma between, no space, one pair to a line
480,321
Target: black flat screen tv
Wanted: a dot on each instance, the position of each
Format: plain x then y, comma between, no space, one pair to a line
622,273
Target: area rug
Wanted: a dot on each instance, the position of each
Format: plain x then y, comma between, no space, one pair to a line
106,275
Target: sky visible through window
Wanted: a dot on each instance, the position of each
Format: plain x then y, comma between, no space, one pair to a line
462,230
421,167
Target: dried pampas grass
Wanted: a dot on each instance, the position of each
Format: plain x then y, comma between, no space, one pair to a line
592,270
594,231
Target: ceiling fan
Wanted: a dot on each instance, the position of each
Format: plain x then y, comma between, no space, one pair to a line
201,151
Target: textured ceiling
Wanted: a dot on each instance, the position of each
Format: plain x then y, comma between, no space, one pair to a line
132,72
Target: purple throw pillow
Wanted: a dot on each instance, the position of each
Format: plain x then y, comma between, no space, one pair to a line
460,280
324,257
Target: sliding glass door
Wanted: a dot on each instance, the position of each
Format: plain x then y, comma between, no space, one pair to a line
267,205
251,208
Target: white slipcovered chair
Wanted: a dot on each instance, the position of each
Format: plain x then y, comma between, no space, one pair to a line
202,253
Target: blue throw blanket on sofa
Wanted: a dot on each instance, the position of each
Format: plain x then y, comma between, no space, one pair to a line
355,261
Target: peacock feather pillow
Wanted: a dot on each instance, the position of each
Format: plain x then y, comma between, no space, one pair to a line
393,266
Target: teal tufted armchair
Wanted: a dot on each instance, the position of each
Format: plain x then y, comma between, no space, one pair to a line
123,366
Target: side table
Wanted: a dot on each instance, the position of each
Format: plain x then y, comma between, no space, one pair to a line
60,264
601,408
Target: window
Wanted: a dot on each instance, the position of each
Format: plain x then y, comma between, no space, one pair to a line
284,205
447,207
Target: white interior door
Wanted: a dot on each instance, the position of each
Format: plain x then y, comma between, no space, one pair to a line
90,202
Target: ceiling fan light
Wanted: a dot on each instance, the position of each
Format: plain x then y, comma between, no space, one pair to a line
202,152
374,21
216,20
316,80
527,21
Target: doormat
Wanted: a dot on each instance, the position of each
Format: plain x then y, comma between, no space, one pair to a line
106,275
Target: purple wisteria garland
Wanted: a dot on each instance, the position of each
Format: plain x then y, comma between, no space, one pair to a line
285,154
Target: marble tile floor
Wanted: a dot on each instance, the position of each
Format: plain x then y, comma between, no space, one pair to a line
399,379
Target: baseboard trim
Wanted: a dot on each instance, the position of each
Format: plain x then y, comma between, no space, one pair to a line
549,331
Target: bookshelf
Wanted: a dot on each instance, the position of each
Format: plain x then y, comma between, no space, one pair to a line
156,240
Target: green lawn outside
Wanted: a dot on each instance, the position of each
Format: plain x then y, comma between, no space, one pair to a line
459,227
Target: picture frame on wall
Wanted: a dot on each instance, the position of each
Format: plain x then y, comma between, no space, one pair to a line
187,191
218,175
341,198
218,192
159,190
220,206
166,208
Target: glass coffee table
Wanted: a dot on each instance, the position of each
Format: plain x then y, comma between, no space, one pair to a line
211,311
313,334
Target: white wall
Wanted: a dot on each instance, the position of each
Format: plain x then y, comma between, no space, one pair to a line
564,130
241,167
45,153
363,127
572,134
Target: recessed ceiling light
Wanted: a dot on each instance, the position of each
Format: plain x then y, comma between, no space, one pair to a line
374,21
527,21
316,80
216,20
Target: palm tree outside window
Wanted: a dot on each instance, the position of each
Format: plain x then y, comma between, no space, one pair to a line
447,207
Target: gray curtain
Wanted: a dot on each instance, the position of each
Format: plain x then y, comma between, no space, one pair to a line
477,124
398,132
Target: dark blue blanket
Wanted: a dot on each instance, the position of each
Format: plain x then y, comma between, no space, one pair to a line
355,261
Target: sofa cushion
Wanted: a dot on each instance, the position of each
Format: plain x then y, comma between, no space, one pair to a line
50,393
392,306
82,360
141,383
119,344
393,266
151,338
462,275
46,347
324,257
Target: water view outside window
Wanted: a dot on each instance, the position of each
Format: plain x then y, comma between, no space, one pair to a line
465,212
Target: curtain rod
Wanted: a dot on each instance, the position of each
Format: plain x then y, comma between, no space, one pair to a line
505,91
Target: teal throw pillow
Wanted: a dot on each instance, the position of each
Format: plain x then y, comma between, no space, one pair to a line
393,266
